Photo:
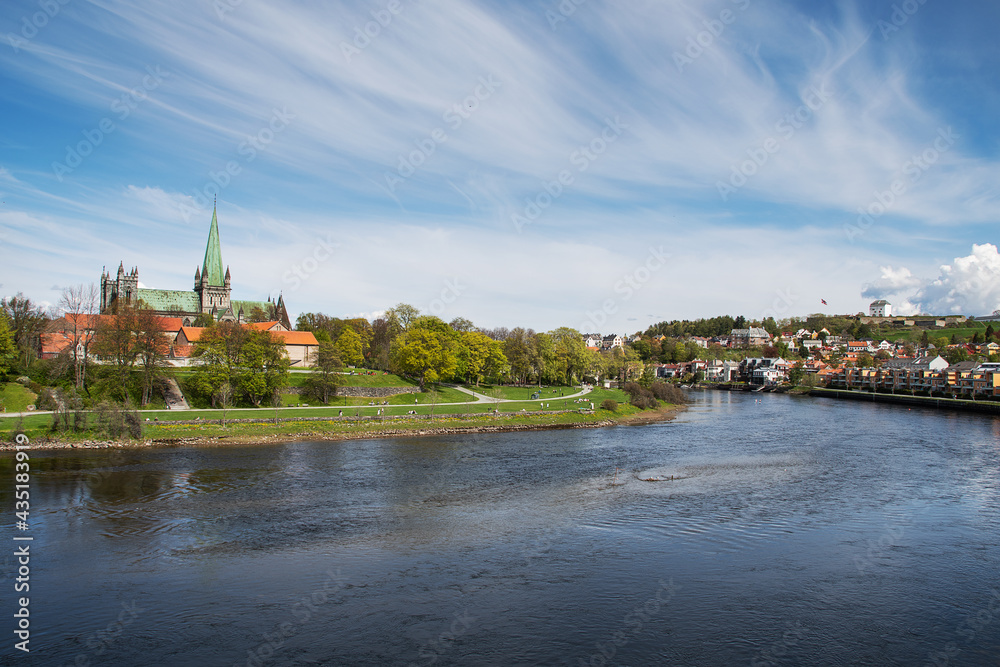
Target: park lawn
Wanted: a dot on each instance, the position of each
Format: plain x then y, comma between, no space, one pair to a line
913,334
377,380
37,426
15,397
524,393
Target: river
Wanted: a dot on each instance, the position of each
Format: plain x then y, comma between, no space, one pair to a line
777,530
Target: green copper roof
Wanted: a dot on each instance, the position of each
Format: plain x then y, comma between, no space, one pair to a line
212,270
167,300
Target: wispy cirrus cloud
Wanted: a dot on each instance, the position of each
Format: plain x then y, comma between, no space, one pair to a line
751,94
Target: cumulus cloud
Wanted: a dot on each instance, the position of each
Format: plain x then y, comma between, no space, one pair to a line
968,286
893,281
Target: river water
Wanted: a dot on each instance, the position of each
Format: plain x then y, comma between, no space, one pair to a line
793,531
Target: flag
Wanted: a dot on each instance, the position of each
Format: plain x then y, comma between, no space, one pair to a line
823,301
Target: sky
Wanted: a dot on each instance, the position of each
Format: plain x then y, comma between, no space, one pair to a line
598,165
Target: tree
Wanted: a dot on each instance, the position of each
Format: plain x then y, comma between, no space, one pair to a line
543,358
8,350
26,322
989,333
325,378
404,314
203,320
151,349
426,350
462,325
479,356
643,349
264,366
570,354
257,314
219,350
954,355
79,306
865,360
383,334
115,341
518,349
253,364
796,373
349,347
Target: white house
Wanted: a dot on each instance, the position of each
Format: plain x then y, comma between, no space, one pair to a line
880,308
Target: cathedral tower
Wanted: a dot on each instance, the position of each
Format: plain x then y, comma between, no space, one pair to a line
213,287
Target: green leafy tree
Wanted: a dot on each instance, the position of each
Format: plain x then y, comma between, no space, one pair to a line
203,320
264,366
462,325
955,355
865,360
404,315
518,348
543,358
480,356
349,347
26,322
569,355
252,364
322,384
427,350
8,350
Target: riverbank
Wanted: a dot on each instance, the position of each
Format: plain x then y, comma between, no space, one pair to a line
988,407
264,430
931,402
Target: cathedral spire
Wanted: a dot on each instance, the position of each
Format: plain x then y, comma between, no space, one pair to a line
211,271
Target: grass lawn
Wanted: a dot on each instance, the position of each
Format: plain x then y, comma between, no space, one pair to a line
15,397
37,426
913,334
524,393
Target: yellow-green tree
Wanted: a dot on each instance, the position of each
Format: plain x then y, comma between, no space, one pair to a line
480,356
349,347
427,350
8,350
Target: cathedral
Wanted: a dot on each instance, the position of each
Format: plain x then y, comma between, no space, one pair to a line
211,293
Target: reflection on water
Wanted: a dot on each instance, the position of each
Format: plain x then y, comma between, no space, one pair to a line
790,531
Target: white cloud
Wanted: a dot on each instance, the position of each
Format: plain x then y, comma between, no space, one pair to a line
968,286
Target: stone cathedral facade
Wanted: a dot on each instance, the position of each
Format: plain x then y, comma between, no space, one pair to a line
212,293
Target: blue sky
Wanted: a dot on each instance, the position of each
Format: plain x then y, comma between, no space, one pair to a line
596,165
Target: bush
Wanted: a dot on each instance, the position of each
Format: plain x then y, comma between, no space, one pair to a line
116,421
645,400
668,392
609,404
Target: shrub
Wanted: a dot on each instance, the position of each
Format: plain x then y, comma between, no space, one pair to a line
609,404
668,392
645,400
